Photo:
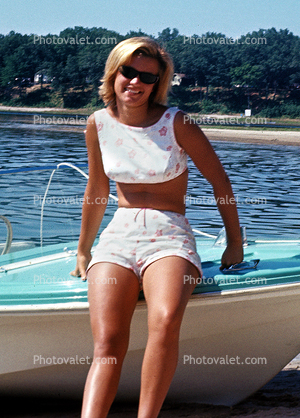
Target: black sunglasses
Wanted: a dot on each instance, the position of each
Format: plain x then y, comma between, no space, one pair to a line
146,78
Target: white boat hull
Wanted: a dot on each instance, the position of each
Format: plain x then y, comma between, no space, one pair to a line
261,324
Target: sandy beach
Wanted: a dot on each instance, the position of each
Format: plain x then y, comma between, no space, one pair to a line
272,136
280,398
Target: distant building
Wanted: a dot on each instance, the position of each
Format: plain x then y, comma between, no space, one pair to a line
42,74
177,79
182,80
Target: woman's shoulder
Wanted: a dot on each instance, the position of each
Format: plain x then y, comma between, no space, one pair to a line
182,119
96,120
161,113
99,113
99,118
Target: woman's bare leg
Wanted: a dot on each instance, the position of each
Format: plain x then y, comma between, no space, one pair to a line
167,295
113,294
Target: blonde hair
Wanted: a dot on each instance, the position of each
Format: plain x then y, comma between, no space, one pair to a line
122,55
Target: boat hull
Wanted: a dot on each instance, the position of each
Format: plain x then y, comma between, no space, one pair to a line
234,337
220,330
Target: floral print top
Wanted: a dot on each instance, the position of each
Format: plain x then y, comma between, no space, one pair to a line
140,155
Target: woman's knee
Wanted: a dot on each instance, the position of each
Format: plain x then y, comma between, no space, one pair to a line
165,323
111,343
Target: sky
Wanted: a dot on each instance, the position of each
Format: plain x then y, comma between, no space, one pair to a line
232,18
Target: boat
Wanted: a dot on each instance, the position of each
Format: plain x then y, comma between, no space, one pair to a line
240,328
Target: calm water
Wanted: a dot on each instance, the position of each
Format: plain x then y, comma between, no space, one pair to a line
265,179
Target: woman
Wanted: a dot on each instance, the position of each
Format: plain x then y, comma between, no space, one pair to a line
142,145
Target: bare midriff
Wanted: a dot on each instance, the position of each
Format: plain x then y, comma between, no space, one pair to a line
168,196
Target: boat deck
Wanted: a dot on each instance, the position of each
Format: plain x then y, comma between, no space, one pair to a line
39,276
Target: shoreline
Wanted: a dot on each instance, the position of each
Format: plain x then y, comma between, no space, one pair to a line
22,109
267,137
251,135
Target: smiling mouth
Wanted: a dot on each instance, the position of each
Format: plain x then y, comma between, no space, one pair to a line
132,91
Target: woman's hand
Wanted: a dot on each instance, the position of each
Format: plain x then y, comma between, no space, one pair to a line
233,254
81,266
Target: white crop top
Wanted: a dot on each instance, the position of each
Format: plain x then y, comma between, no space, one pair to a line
140,155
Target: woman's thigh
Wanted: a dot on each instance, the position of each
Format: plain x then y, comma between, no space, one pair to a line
113,292
168,284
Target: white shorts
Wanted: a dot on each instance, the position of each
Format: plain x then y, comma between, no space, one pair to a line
137,237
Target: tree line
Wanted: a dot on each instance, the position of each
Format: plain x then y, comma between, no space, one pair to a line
260,70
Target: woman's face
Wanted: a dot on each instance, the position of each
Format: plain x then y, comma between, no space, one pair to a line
134,92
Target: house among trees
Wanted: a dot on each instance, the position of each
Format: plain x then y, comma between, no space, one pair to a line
205,79
42,77
182,80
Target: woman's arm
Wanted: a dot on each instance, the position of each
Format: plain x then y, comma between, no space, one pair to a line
94,202
190,137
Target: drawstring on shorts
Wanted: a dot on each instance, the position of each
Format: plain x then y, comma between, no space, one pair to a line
144,209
